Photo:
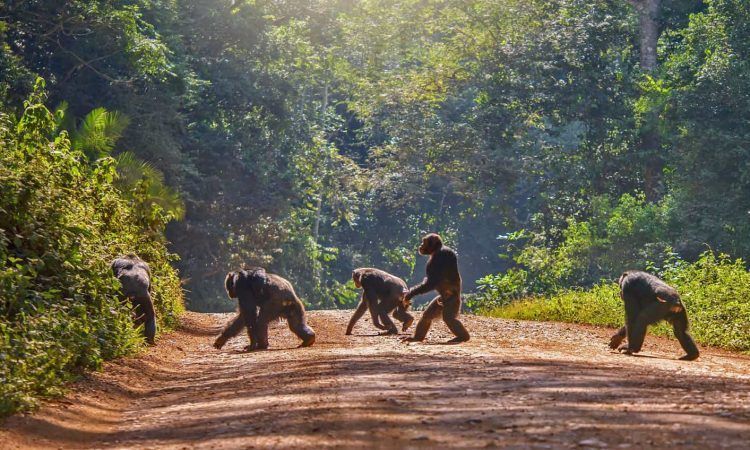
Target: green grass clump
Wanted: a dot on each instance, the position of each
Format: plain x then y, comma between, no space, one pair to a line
62,221
715,290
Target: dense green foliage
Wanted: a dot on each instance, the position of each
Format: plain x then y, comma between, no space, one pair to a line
714,290
62,221
317,136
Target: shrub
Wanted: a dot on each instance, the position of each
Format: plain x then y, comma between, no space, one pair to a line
61,223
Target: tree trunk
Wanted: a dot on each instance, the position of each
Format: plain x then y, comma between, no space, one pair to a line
319,205
648,11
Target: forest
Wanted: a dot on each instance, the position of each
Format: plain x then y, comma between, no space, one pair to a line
552,143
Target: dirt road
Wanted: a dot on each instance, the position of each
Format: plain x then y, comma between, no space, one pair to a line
515,385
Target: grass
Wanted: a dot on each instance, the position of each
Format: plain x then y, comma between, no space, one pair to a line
715,291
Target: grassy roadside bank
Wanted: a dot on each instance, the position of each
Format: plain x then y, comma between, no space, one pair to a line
715,290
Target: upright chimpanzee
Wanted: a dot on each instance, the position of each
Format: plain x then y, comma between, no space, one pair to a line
382,294
135,279
649,300
443,277
274,297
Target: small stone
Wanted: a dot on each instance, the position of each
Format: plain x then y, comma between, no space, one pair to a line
592,442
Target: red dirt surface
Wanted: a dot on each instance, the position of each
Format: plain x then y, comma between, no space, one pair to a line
514,385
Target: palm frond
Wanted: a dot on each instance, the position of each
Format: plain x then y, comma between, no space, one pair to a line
133,170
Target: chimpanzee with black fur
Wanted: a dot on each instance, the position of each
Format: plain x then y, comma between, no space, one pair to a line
263,297
382,294
135,279
443,277
649,300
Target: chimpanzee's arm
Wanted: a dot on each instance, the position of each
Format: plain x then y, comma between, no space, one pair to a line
430,282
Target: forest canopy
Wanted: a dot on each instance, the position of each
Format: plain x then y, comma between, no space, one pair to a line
565,139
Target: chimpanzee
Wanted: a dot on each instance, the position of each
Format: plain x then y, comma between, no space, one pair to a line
382,294
443,277
263,297
135,279
649,300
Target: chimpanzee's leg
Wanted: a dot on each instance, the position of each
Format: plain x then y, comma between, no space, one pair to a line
649,315
249,312
360,311
233,328
451,310
433,311
296,320
680,326
260,330
390,327
147,316
372,304
403,316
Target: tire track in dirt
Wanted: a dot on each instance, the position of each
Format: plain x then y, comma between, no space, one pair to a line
514,385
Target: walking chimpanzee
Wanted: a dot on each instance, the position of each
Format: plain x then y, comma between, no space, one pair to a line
135,279
382,294
443,277
263,297
649,300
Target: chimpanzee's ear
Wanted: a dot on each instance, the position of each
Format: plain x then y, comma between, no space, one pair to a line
622,277
229,284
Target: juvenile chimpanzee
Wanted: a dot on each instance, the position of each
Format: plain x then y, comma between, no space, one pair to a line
382,294
649,300
263,297
443,277
135,279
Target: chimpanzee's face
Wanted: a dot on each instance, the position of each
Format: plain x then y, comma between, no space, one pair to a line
357,278
430,244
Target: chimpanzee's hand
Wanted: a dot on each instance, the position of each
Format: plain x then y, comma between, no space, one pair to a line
615,341
219,343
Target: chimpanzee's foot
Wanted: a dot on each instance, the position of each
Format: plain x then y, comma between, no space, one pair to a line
690,357
219,343
615,341
407,324
308,341
411,339
253,348
458,340
388,332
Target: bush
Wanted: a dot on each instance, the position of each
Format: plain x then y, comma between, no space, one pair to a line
714,289
61,223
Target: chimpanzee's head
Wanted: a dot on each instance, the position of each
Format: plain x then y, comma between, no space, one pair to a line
357,278
229,284
430,244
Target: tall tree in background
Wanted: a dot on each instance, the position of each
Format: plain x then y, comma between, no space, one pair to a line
650,143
